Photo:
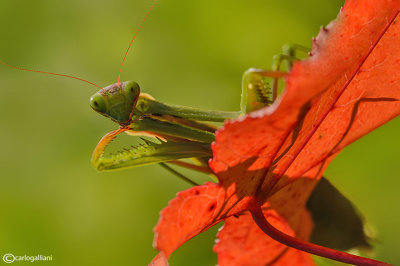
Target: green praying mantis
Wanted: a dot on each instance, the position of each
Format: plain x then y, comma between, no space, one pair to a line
181,132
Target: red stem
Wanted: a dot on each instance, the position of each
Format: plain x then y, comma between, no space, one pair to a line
293,242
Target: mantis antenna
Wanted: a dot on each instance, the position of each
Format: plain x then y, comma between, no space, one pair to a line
133,39
50,73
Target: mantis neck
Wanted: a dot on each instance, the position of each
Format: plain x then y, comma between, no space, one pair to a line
152,107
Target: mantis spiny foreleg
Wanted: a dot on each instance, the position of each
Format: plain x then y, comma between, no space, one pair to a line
256,91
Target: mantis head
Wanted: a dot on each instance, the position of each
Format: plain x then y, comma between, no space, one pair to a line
117,101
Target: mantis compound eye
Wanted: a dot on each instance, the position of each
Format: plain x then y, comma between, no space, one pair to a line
97,103
132,90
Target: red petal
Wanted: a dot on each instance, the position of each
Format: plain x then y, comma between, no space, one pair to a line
159,260
355,58
241,242
364,97
191,212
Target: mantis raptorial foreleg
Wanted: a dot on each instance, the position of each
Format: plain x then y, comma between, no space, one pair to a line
256,91
101,146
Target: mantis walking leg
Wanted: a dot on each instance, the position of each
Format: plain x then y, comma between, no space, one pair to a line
176,173
288,55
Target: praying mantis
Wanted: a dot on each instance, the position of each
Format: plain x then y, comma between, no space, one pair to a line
177,128
180,131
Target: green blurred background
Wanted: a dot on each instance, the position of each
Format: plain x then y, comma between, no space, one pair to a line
189,52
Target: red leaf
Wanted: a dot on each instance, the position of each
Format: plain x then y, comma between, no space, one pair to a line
192,211
348,87
159,260
332,81
241,242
